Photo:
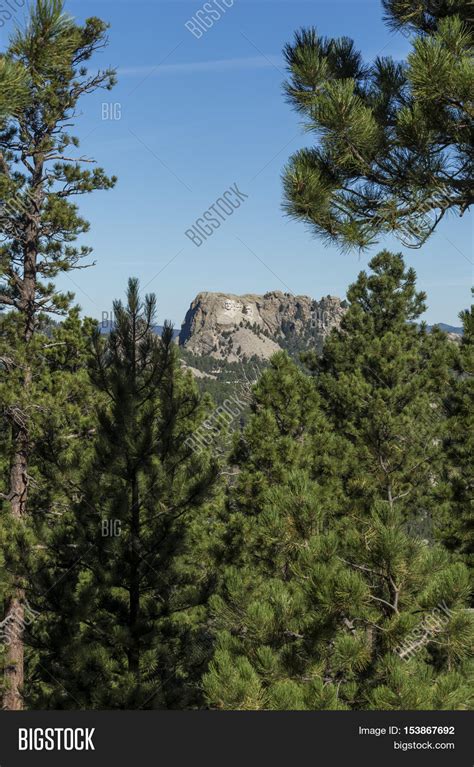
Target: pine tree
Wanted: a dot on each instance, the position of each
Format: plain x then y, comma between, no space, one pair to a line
43,76
60,432
457,528
287,466
424,15
383,380
338,603
122,605
280,441
394,139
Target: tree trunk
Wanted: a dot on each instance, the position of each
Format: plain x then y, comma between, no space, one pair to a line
15,614
14,619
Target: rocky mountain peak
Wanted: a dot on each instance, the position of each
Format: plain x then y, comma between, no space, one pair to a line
224,325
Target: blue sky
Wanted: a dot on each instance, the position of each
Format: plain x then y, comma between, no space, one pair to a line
197,115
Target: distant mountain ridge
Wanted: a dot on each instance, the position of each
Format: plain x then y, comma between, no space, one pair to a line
105,326
447,328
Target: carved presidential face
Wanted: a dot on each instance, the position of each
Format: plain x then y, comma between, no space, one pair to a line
228,305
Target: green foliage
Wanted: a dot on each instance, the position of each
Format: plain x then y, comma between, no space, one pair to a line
334,569
457,527
383,380
393,152
223,378
44,70
329,598
59,406
120,599
424,15
43,76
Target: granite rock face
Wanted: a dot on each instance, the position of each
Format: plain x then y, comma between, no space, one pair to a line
235,328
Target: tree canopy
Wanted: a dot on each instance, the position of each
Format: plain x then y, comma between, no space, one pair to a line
393,151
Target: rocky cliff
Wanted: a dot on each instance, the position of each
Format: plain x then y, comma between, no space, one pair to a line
241,327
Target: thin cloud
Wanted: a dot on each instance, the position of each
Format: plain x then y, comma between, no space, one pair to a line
218,65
